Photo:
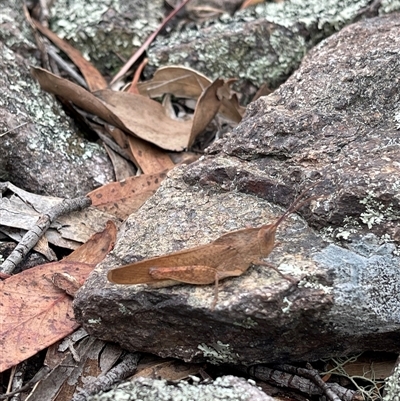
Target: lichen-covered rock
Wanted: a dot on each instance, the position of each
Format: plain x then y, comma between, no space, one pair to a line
41,149
226,388
333,122
262,44
106,30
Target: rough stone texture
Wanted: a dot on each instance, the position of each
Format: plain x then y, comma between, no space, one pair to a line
106,30
337,118
334,121
41,150
262,44
229,388
392,386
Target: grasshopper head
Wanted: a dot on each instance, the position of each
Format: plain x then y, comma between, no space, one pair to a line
266,239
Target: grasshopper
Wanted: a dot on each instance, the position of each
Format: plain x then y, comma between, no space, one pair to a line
228,256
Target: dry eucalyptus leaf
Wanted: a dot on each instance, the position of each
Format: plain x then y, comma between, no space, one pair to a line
147,119
124,198
149,157
206,108
134,114
185,82
76,94
35,313
122,167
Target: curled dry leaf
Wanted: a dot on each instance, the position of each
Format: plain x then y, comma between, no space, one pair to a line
185,82
35,313
206,108
144,117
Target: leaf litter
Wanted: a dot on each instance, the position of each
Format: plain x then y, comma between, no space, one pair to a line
38,298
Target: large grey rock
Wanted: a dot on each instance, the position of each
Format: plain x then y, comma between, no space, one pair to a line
334,121
42,151
262,44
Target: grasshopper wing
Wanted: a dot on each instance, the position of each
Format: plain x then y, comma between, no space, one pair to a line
210,255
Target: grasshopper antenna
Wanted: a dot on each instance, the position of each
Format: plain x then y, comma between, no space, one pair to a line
297,204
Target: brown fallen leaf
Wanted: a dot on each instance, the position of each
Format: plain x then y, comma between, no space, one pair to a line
206,108
177,80
147,119
124,198
134,114
122,167
149,157
93,77
76,94
35,313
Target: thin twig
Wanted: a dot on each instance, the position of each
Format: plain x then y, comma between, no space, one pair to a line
289,380
30,239
124,369
313,375
146,44
66,67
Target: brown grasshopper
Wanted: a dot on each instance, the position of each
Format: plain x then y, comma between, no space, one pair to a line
228,256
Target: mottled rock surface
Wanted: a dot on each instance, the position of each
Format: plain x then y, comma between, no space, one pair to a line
335,121
229,388
42,151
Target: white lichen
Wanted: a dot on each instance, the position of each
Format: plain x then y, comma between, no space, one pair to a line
218,353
